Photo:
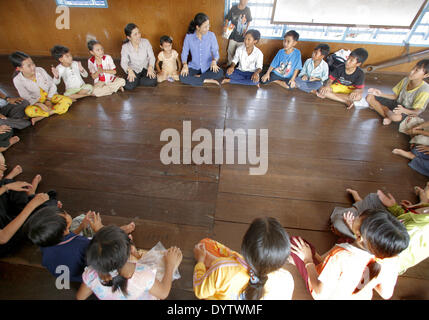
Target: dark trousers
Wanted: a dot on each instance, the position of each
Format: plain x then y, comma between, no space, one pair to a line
141,80
16,117
192,80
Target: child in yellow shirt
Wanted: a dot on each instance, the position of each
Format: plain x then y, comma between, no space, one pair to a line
223,274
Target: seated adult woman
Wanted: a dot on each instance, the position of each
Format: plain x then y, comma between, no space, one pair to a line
203,46
137,59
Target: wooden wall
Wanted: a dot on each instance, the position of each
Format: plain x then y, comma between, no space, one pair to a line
29,25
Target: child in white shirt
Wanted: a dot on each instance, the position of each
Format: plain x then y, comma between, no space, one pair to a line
249,60
103,71
71,72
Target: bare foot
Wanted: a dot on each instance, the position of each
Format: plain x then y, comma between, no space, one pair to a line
351,106
354,194
226,81
320,95
212,81
386,121
36,119
122,89
34,184
13,140
15,171
129,227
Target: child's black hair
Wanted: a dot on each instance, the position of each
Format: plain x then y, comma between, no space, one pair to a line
17,57
293,34
165,39
46,226
58,51
424,64
383,235
360,54
256,35
199,19
265,247
128,30
92,43
324,49
109,251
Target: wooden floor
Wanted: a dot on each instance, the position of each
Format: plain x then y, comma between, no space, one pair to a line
104,155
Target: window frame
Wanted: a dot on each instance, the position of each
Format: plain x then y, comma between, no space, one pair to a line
405,35
63,3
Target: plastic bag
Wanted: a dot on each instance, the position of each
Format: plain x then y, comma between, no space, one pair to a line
154,259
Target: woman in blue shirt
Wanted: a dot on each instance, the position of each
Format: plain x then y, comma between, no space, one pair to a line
203,46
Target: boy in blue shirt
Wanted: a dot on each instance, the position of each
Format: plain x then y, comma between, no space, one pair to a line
286,64
315,70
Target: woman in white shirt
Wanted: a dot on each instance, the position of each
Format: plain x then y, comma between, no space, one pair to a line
137,59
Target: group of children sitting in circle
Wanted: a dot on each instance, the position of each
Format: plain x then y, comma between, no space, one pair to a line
379,239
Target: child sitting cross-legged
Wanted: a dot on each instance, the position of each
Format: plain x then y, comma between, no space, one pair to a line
112,275
346,82
49,228
256,273
315,70
71,72
410,96
249,60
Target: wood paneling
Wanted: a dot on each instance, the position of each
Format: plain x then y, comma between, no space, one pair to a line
155,18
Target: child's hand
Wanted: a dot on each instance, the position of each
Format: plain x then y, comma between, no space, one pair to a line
19,186
423,149
324,90
354,96
265,77
302,250
173,257
4,128
304,78
81,69
292,83
400,110
349,217
14,100
39,199
55,72
94,220
230,71
48,104
200,253
255,77
388,200
100,70
314,79
375,92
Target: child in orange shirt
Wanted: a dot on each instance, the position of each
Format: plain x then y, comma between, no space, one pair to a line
353,271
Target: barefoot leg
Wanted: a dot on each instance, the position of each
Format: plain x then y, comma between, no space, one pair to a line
406,154
36,119
212,81
12,141
15,171
129,227
34,184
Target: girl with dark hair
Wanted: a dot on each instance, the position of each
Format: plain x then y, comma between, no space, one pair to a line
353,271
223,274
112,276
36,86
204,49
137,59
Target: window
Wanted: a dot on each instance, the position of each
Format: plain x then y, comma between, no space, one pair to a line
83,3
417,35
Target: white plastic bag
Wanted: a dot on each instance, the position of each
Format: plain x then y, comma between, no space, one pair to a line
154,259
